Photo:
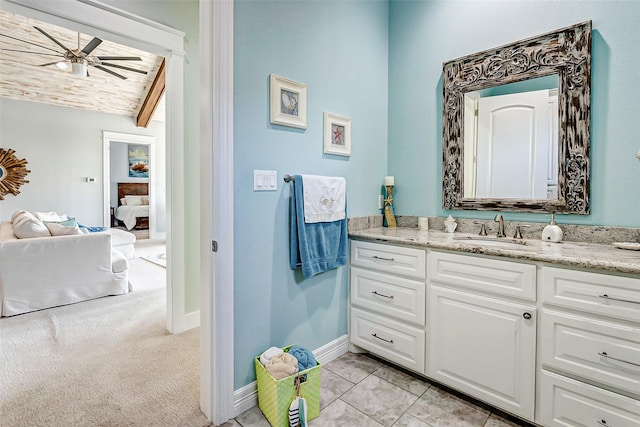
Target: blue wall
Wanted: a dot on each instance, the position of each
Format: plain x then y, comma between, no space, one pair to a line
380,63
340,50
424,34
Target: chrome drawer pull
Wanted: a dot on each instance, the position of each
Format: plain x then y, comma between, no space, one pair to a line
603,423
605,296
605,355
382,339
382,258
382,295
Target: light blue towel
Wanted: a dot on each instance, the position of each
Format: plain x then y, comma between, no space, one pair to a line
315,247
305,358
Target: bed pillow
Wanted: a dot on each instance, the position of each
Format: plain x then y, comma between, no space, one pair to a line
123,202
133,200
27,226
63,228
50,217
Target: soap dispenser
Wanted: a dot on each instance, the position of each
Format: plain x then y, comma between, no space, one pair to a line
552,232
450,224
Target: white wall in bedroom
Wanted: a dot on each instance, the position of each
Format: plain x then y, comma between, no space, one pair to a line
63,146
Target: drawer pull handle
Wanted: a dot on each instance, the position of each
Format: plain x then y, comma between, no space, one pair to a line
382,258
605,296
526,315
382,339
382,295
605,355
603,422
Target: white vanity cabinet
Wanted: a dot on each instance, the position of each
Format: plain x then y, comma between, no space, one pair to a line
387,314
554,345
589,349
481,326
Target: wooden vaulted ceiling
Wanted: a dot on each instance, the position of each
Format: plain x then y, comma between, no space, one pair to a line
23,78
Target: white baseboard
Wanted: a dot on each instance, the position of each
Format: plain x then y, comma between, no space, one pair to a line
191,320
246,397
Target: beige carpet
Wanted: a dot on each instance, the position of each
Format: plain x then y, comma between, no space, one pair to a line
105,362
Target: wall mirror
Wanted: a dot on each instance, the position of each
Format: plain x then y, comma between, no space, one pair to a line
516,125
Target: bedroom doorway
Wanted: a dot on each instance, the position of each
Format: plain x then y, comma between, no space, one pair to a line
120,182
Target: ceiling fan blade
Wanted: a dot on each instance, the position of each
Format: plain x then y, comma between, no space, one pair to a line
48,63
52,39
99,67
119,58
35,53
91,46
35,44
122,67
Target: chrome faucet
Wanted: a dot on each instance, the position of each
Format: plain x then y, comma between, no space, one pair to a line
500,222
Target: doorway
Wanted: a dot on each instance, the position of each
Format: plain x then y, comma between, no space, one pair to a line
115,172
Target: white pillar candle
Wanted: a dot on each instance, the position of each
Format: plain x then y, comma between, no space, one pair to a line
388,180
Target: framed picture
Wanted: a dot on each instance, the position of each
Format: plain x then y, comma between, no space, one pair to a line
138,161
287,102
337,135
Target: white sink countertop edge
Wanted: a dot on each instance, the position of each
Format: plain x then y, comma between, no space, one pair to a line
576,254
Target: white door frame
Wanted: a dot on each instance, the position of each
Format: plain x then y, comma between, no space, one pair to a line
216,198
127,138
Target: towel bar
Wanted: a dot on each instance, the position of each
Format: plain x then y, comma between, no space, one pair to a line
289,178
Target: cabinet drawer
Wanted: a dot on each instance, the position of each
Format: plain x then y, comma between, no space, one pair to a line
592,292
601,351
391,259
487,275
389,295
395,341
566,402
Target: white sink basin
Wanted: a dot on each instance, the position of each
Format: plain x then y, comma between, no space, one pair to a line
491,241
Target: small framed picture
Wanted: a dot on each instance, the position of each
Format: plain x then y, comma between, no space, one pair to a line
337,134
287,102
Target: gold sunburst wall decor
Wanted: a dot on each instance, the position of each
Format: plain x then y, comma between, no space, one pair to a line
12,172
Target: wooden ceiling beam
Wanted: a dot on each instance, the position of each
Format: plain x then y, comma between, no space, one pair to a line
153,98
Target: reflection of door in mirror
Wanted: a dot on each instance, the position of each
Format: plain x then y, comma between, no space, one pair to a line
511,144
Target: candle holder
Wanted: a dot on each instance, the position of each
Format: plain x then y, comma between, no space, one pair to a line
389,218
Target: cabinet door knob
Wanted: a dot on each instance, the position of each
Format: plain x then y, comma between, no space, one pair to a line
526,315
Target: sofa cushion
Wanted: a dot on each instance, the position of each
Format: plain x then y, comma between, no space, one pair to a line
16,213
26,226
50,217
63,228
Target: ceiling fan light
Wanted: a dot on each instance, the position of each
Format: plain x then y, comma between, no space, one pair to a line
79,68
62,65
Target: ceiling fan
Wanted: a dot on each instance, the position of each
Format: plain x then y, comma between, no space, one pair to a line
81,59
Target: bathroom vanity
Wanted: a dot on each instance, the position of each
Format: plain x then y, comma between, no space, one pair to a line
548,332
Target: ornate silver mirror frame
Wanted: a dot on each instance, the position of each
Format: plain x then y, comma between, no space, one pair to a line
565,52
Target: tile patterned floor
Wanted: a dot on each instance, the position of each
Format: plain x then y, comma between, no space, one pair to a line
359,390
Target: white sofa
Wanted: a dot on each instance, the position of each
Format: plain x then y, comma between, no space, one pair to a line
43,272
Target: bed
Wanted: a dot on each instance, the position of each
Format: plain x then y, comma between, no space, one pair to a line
133,213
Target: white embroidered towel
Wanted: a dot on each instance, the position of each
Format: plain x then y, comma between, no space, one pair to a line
324,198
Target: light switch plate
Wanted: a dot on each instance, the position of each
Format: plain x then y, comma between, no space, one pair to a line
265,180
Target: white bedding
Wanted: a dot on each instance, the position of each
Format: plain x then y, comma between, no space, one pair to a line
128,214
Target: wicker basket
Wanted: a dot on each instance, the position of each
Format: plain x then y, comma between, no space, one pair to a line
275,396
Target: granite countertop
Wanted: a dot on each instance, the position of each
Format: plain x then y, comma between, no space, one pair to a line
575,254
